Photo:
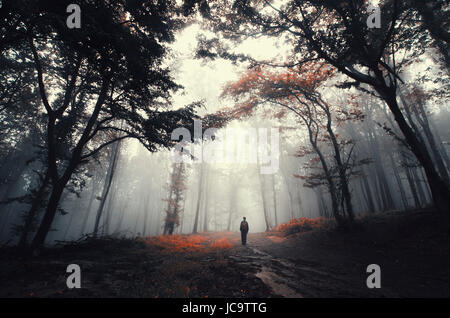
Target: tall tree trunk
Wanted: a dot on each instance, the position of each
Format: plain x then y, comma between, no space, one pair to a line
199,198
205,207
383,185
136,220
108,209
330,182
107,185
88,209
144,229
263,195
72,214
380,200
50,212
442,149
412,187
341,167
443,171
399,181
182,216
231,206
434,24
59,183
422,187
230,215
439,189
34,209
368,192
364,201
299,191
323,211
274,200
289,191
422,118
120,218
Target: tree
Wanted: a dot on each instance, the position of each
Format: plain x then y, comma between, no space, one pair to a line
337,32
234,181
274,194
206,201
95,78
434,16
199,197
175,198
297,91
265,204
113,158
417,100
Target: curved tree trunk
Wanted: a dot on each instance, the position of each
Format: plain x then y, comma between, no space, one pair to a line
341,167
34,209
107,185
199,198
439,189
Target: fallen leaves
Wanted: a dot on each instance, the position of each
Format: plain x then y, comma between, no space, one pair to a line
187,243
301,225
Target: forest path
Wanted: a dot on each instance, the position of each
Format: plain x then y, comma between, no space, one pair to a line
412,249
285,273
277,274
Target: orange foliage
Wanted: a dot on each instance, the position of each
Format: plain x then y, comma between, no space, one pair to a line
221,244
307,77
186,243
301,225
177,243
258,85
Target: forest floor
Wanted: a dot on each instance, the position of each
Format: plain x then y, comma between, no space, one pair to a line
412,249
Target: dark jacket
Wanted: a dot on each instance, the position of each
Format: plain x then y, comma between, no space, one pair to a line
244,228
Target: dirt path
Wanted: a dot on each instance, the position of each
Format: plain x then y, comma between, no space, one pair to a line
277,274
412,250
281,268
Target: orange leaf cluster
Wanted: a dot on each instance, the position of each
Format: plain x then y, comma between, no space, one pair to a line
259,85
177,242
186,243
301,225
221,244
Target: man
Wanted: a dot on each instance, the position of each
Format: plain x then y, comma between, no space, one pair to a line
244,231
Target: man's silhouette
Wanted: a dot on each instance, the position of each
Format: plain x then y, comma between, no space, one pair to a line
244,231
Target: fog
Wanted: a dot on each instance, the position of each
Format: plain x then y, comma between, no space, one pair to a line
219,194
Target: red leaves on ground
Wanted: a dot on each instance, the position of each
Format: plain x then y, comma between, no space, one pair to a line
187,243
301,225
221,244
177,243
